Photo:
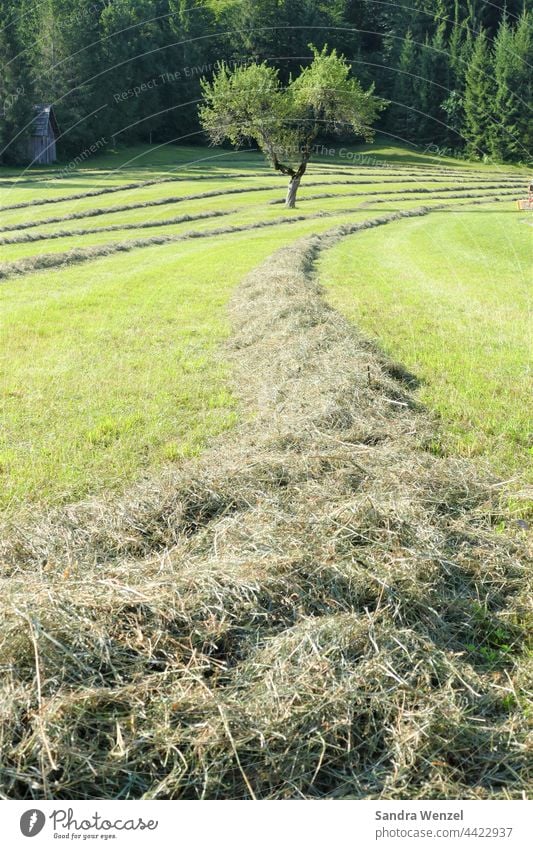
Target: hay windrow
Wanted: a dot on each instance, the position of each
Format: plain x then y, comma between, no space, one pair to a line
41,236
127,207
24,236
75,256
318,607
127,187
142,184
167,201
454,193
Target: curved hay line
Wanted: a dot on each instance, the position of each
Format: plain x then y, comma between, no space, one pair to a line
307,611
74,256
141,184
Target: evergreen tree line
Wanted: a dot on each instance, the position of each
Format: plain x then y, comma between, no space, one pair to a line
457,73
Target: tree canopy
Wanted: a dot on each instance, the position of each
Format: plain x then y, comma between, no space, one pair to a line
130,70
250,104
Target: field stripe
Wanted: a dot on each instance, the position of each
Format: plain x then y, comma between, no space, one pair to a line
95,212
76,256
61,234
410,178
377,197
401,192
312,577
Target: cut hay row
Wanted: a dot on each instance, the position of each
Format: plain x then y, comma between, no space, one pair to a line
133,186
403,192
27,237
75,256
89,213
318,607
125,187
60,234
318,166
411,177
409,171
474,197
128,207
320,163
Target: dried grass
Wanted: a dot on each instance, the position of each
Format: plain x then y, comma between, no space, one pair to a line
318,607
136,225
75,256
141,184
124,187
386,196
168,201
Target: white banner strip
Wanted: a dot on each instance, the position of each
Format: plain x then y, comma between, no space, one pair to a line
254,825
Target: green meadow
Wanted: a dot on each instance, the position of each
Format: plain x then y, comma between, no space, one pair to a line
449,297
114,366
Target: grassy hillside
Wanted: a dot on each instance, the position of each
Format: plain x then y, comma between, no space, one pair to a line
239,558
100,362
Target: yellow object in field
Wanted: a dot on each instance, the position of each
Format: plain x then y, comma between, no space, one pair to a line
527,203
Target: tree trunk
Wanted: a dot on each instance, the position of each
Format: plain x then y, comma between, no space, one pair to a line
292,190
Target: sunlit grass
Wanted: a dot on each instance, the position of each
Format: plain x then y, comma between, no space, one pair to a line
449,296
114,367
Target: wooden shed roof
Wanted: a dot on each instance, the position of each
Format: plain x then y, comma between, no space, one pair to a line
44,117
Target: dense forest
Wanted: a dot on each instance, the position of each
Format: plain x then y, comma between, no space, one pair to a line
456,72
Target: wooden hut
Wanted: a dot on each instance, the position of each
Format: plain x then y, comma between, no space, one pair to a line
43,134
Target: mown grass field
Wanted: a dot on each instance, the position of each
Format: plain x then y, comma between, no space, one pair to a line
256,535
450,298
101,361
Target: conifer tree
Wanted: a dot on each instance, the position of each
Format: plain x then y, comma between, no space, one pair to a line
191,21
15,86
479,98
511,133
434,85
404,117
130,69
